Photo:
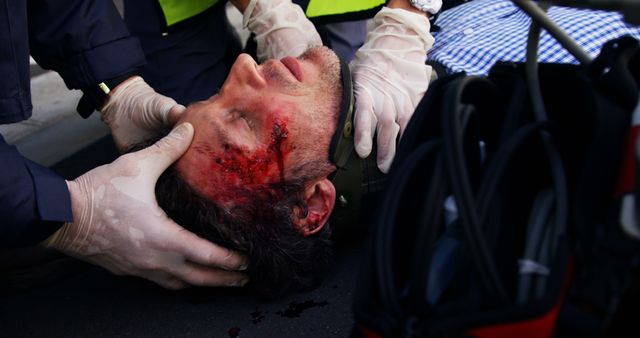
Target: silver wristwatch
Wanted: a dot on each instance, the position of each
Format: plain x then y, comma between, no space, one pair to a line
429,6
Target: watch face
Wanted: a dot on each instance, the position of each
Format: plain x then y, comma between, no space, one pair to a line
430,6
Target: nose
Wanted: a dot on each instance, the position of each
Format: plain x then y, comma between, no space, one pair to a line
247,70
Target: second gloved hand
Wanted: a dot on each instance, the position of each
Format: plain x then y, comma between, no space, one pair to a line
135,112
390,77
281,29
119,225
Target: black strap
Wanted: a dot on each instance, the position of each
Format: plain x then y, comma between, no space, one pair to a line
453,127
390,222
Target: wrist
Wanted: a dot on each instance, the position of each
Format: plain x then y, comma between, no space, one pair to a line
108,101
119,85
63,239
406,5
255,9
78,200
76,204
57,239
96,96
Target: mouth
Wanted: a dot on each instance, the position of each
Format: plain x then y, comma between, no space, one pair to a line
293,66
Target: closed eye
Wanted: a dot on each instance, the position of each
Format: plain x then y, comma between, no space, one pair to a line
249,122
241,116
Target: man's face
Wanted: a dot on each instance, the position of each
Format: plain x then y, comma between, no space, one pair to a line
265,119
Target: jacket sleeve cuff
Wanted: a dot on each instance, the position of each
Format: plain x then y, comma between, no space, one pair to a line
53,203
90,67
52,194
34,202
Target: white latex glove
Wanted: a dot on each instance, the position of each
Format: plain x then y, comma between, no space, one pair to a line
390,77
281,29
119,225
135,112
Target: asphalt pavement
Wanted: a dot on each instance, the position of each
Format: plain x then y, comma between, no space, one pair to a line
63,297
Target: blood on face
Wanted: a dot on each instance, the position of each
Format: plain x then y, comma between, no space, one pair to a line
240,170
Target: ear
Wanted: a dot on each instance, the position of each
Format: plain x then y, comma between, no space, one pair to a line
319,198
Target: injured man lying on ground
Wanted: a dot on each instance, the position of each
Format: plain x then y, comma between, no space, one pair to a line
256,177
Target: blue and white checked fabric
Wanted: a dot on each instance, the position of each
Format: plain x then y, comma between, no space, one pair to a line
473,36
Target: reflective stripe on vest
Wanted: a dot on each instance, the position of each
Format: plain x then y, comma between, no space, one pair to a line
177,10
318,8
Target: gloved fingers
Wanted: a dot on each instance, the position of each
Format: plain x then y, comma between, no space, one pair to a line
116,95
173,284
385,160
387,148
173,115
281,29
364,122
158,157
166,280
388,130
205,253
199,275
135,103
411,24
402,122
155,112
120,266
247,12
405,112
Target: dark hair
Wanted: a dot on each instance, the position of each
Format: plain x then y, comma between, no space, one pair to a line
281,259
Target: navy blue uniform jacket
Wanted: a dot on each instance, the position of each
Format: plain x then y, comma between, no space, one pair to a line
86,42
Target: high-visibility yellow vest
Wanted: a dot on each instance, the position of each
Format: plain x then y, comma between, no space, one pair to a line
178,10
318,8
